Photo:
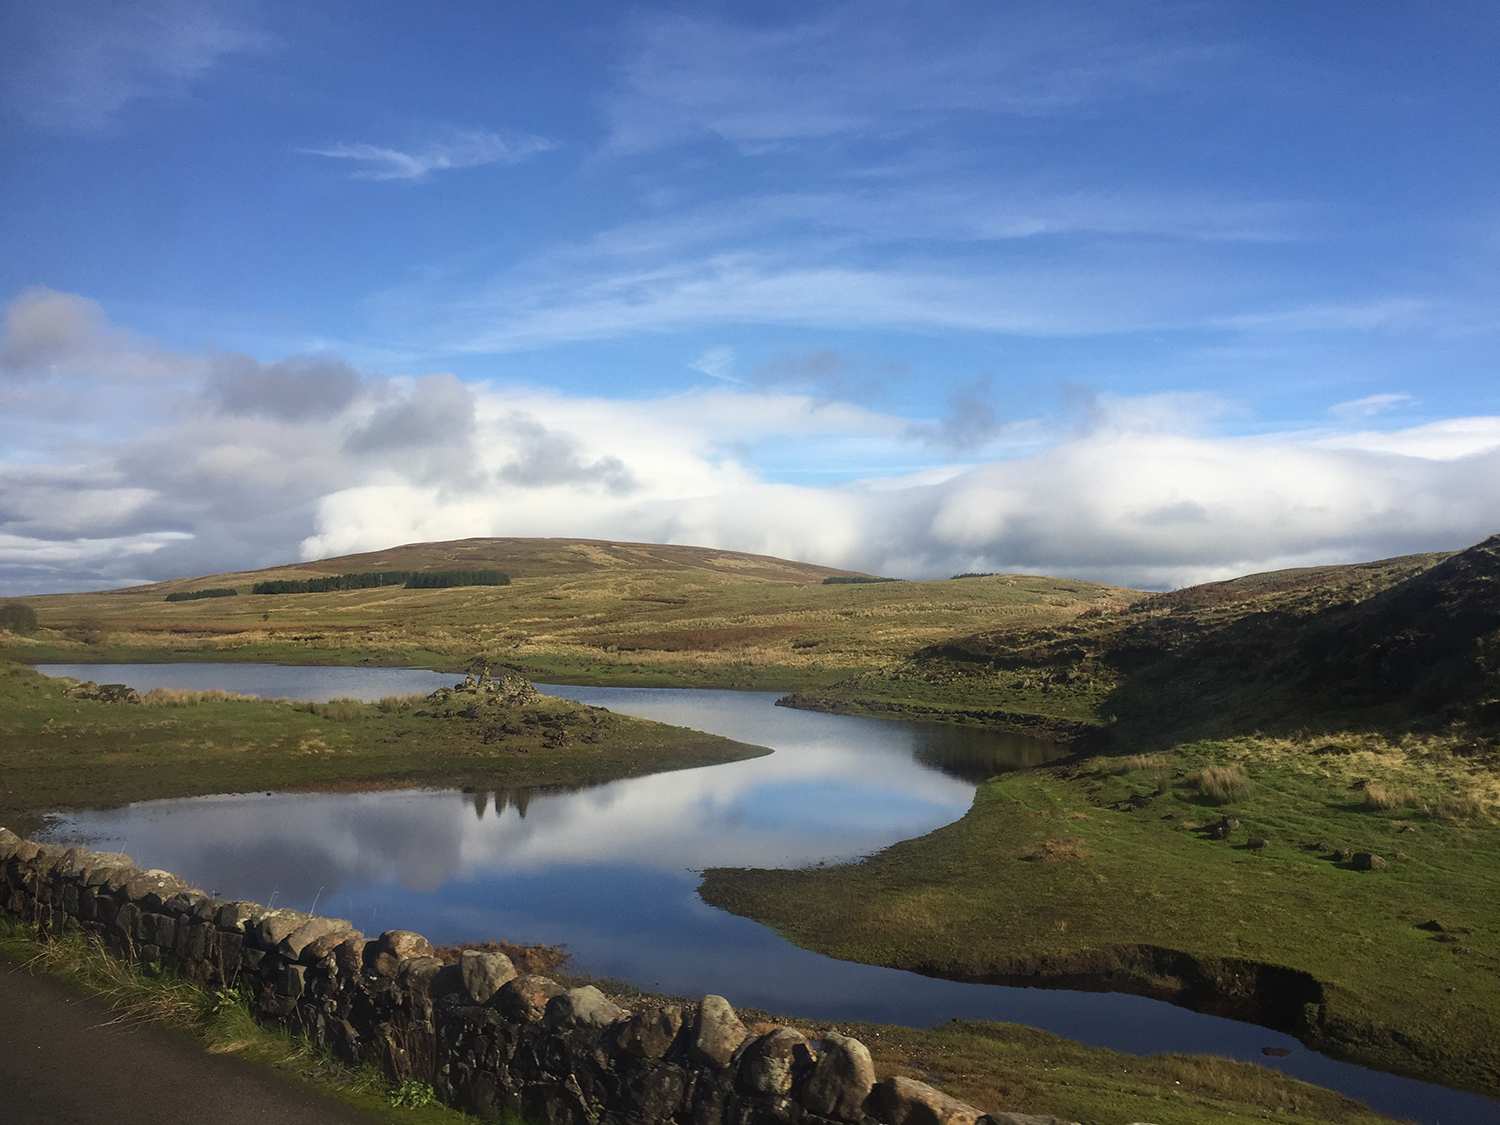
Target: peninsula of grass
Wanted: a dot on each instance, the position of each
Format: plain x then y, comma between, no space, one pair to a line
1107,872
61,749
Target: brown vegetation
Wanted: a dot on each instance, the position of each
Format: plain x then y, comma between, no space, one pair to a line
1050,851
1223,785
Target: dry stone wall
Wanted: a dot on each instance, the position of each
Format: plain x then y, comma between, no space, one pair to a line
487,1039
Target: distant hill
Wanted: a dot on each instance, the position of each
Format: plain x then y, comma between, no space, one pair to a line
575,610
525,558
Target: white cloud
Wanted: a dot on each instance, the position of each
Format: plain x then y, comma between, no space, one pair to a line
716,363
1368,406
243,464
851,71
464,149
75,66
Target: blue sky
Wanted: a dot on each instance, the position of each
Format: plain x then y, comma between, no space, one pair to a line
1150,294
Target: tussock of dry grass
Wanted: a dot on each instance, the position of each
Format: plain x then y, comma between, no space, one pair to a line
1051,851
1224,785
1461,806
1380,797
395,704
175,697
1132,763
339,710
135,998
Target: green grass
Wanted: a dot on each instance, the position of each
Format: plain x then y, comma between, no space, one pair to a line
219,1020
60,752
965,903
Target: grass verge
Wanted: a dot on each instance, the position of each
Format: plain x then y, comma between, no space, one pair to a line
220,1021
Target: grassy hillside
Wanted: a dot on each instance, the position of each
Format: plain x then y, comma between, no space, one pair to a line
576,611
1269,652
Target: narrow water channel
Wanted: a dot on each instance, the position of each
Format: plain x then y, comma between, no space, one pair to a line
612,871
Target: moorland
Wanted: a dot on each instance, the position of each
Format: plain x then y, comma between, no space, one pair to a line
1280,803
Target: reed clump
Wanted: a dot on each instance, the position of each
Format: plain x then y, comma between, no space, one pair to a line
177,697
1222,785
1381,798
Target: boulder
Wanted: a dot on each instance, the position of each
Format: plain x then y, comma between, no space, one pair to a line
581,1007
116,881
417,974
771,1063
841,1081
484,973
349,955
905,1101
524,1000
1367,861
274,927
236,916
385,954
323,947
70,864
1341,855
650,1034
102,865
25,851
151,889
10,843
294,944
717,1032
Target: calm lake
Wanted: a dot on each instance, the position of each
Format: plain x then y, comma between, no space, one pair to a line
611,871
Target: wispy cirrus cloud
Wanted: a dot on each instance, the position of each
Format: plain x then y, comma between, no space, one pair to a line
859,69
74,67
466,149
1368,406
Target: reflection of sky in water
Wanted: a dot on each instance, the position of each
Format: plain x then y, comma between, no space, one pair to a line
611,871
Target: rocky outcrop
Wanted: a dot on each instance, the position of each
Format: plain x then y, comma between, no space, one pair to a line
487,1040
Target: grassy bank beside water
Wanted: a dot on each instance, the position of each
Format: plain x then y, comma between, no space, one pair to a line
1053,869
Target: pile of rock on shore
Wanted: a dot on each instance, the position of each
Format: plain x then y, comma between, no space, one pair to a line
487,1039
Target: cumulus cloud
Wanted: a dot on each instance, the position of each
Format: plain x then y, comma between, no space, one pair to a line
300,387
464,149
241,463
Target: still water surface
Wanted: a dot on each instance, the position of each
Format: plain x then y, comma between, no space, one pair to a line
611,871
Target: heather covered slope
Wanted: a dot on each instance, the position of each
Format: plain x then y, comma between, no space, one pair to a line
1377,644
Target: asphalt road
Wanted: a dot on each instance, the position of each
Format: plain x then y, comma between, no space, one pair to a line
60,1064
